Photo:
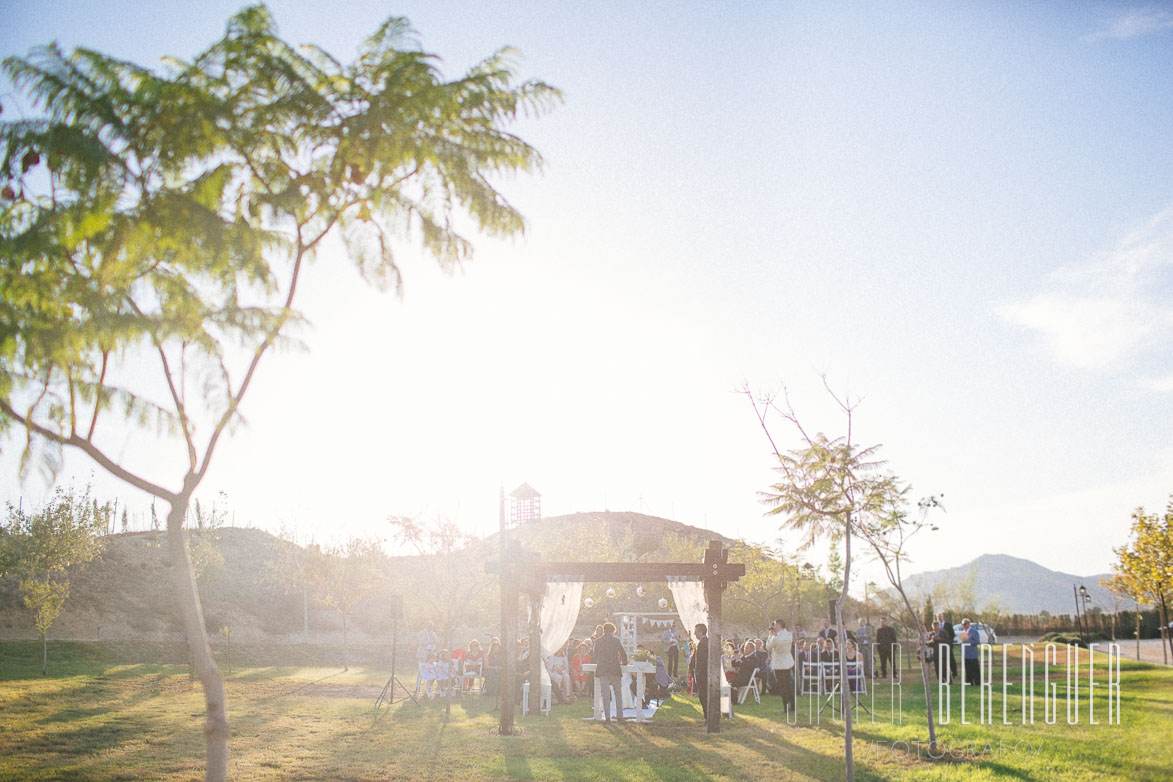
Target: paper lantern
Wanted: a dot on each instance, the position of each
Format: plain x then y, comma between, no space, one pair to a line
663,602
589,603
610,593
639,591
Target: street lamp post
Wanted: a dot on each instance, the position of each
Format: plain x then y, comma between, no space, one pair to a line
1081,600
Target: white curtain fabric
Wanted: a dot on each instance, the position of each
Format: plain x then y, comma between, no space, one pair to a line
560,606
689,597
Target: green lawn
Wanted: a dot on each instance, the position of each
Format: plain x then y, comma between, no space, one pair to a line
93,718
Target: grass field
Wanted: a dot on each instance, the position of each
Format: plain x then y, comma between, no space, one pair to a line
93,718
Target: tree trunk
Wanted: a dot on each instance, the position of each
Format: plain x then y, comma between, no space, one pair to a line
305,613
1165,634
216,729
844,695
924,669
345,645
44,655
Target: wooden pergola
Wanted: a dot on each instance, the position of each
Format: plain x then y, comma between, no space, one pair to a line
530,576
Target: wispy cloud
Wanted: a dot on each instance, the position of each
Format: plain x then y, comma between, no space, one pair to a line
1136,22
1163,385
1118,305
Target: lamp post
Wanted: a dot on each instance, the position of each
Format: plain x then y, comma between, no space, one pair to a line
1081,598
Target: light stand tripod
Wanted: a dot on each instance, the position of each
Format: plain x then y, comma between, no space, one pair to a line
388,694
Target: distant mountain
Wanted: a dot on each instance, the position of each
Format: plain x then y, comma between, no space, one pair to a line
1013,585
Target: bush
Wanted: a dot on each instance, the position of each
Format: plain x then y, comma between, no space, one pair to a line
1072,638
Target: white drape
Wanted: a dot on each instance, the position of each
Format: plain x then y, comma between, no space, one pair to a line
689,597
560,606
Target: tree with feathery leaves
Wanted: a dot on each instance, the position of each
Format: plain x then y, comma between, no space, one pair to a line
166,217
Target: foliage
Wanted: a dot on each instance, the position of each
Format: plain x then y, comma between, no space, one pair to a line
45,549
448,587
168,217
1144,566
343,576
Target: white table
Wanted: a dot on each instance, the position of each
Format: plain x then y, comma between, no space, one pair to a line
624,689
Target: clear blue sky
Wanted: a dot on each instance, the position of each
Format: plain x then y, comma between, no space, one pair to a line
962,214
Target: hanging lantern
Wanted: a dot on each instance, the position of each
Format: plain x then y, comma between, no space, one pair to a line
663,603
589,603
639,591
610,593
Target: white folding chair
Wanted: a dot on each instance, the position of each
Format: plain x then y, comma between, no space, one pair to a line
753,687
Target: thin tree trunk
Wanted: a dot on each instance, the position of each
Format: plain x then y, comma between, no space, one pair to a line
345,645
44,655
844,695
305,613
924,669
1165,634
216,730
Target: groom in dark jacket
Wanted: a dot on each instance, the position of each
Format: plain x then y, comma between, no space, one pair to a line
698,668
944,637
610,657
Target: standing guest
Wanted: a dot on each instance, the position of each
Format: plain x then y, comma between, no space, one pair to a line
672,649
864,637
885,640
828,631
782,663
610,657
969,646
429,642
945,637
698,667
492,667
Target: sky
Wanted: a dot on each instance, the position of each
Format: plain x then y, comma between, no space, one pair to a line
960,215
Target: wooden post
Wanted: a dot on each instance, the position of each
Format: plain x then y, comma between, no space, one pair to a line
508,585
715,557
535,651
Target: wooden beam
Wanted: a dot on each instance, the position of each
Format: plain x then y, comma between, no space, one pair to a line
622,571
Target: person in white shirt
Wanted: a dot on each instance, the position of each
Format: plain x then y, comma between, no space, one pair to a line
780,645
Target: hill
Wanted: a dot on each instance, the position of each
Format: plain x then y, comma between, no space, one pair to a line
126,593
1011,584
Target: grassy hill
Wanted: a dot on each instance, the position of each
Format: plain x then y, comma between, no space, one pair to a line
126,593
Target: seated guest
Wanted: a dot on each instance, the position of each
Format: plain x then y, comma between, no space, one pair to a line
474,658
559,672
854,662
578,677
744,665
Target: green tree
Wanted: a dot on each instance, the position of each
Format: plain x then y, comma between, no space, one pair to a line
1144,566
343,576
166,217
45,549
826,488
292,570
447,584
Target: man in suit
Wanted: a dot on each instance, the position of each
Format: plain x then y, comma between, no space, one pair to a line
610,656
698,668
944,636
885,640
